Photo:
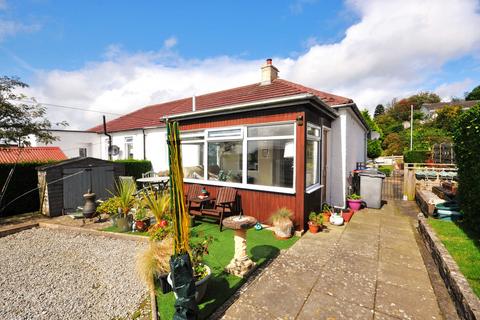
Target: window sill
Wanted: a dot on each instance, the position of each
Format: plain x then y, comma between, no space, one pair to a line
313,188
241,186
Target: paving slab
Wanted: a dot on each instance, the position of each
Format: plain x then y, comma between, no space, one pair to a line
371,268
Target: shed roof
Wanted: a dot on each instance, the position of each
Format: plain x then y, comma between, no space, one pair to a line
150,116
31,154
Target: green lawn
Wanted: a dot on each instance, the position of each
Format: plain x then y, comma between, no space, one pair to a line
262,246
464,247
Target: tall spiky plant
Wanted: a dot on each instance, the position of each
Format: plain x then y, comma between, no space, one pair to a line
180,219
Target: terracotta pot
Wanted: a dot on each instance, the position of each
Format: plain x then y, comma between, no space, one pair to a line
355,205
347,215
326,216
313,227
140,225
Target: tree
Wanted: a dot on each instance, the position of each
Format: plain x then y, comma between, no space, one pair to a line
19,120
393,144
374,149
474,94
379,110
446,118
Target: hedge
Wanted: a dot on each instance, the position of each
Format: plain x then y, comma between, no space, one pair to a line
374,149
135,168
387,170
24,179
467,152
416,156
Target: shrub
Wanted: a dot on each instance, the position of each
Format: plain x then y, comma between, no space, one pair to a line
416,156
374,149
25,178
109,206
135,168
387,170
467,149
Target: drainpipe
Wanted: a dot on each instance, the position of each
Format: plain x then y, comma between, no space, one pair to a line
109,139
144,146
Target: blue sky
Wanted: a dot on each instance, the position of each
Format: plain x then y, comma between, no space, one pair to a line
66,35
120,55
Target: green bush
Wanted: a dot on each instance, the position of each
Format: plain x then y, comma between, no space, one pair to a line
135,168
24,179
387,170
467,150
416,156
109,206
374,149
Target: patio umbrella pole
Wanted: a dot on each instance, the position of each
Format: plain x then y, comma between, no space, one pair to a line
183,283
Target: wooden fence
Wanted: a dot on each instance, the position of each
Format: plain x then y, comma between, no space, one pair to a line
431,173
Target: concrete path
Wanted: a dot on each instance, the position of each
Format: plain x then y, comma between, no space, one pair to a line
369,269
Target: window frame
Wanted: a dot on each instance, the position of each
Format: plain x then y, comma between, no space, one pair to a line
126,157
243,137
314,187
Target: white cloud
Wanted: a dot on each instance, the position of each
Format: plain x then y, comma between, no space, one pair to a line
11,28
396,48
170,42
455,89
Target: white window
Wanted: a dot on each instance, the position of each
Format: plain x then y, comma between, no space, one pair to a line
271,154
312,163
260,157
128,148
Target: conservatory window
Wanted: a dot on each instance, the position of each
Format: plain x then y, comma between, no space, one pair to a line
312,164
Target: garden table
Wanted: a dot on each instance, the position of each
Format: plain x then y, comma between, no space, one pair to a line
162,182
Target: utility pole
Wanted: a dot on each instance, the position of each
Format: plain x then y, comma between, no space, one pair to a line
411,127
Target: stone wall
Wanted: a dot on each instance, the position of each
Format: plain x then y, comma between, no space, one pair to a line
466,302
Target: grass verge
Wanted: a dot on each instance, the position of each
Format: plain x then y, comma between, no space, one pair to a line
117,230
464,247
261,246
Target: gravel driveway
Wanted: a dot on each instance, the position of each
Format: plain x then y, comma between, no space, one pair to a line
53,274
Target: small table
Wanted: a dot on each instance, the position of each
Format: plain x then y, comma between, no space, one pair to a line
161,181
241,265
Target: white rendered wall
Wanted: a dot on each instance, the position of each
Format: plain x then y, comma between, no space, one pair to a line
157,152
348,148
71,141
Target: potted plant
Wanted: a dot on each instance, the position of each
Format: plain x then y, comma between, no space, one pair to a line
142,222
282,223
354,201
125,196
315,221
326,211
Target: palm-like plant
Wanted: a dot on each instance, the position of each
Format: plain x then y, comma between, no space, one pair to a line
125,192
158,204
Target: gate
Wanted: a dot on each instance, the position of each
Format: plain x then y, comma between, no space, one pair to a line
102,180
393,186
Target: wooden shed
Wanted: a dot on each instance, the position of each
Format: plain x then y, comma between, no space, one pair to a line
63,184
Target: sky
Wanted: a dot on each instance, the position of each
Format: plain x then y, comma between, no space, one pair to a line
114,57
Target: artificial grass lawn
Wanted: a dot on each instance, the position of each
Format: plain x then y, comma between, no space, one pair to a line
261,245
464,246
117,230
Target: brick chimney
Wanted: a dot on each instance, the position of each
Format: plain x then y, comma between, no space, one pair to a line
269,73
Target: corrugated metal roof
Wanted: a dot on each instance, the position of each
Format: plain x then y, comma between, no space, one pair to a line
150,116
31,154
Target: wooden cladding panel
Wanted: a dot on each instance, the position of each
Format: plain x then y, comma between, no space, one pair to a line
238,119
259,204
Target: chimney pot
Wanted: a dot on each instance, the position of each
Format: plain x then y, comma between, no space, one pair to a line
269,72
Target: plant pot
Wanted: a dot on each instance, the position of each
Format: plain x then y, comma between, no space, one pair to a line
200,285
123,224
162,283
355,205
284,231
347,215
140,225
313,227
326,216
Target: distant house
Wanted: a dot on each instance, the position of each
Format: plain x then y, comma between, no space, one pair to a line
430,109
31,154
281,144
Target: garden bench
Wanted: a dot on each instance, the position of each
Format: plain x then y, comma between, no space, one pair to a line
223,206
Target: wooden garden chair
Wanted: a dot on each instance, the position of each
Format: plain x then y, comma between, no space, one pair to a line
194,190
224,205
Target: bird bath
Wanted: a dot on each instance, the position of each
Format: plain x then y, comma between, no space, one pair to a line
241,264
